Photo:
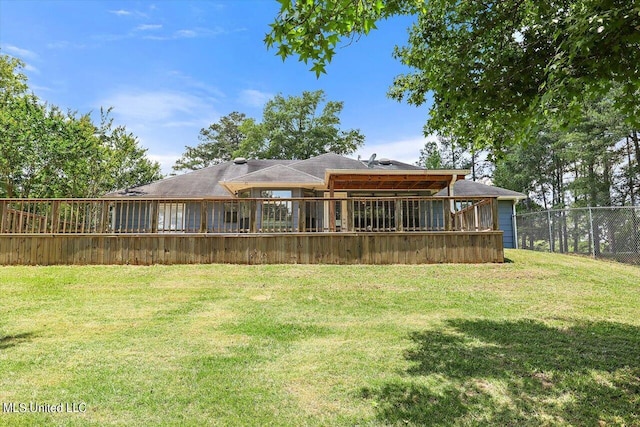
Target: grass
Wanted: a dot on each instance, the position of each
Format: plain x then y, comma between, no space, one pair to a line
543,340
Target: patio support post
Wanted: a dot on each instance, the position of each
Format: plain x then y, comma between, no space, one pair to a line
494,214
451,194
332,209
302,216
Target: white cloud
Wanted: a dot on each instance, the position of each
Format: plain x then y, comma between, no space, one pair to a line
164,121
166,160
155,107
120,12
254,98
188,34
60,44
185,34
148,27
23,53
37,88
405,150
63,44
31,68
195,86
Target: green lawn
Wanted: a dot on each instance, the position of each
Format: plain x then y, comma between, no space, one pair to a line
542,340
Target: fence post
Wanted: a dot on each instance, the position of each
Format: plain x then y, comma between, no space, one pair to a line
593,243
550,233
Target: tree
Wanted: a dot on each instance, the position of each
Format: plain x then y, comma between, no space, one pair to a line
123,162
45,152
430,156
292,128
451,153
219,143
501,66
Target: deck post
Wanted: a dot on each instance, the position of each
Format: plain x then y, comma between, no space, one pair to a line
302,216
55,216
3,215
399,220
494,214
332,210
253,224
446,212
104,217
153,215
203,216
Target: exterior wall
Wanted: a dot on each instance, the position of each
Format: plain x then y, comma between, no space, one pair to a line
136,218
505,222
435,216
131,217
292,248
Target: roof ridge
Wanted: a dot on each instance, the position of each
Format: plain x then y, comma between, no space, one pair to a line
241,177
315,157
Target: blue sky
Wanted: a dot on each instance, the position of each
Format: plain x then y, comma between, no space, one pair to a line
170,68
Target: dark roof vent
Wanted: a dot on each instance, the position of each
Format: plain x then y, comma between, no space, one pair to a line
384,161
239,161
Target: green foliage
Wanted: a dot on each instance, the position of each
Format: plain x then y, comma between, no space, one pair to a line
579,165
292,128
430,156
45,152
219,143
499,66
312,29
123,162
452,153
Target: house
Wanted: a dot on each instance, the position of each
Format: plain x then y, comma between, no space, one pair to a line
286,189
326,209
327,175
507,200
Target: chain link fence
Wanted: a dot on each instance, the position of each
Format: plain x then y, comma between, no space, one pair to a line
601,232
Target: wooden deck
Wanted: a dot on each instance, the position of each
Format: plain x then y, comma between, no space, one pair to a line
357,230
292,248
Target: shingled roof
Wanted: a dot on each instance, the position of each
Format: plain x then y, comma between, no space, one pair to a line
477,189
200,183
210,181
224,179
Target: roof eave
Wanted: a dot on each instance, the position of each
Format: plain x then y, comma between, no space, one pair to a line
234,187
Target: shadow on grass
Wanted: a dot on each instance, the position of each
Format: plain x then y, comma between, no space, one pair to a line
517,373
9,341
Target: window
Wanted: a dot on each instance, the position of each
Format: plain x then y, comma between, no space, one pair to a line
276,194
170,216
231,212
277,215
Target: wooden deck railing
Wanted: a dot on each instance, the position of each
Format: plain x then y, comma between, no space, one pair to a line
275,215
